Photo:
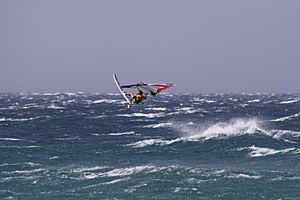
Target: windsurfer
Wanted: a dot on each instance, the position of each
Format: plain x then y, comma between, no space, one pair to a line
138,97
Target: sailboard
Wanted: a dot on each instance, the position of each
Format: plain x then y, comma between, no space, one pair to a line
120,88
149,89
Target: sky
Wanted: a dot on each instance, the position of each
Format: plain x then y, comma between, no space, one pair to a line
203,46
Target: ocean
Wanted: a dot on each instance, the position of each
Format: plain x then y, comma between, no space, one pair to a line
174,146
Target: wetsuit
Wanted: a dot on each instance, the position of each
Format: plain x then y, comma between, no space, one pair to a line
138,98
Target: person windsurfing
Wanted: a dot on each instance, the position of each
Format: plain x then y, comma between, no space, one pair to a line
138,97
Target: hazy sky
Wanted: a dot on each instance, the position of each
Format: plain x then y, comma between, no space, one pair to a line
201,45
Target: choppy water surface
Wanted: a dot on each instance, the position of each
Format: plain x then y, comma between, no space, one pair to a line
91,146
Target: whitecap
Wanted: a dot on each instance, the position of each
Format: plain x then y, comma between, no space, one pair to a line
12,139
197,99
53,106
233,128
160,125
131,170
88,169
148,115
263,151
109,101
122,133
26,171
157,109
115,181
254,101
219,130
17,120
243,176
290,101
149,142
281,119
20,147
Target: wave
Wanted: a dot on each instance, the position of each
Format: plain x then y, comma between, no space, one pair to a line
119,172
220,130
149,142
17,120
12,139
115,181
53,106
160,125
286,118
123,133
109,101
20,147
235,127
263,151
156,109
243,176
149,115
31,164
197,99
88,169
26,171
289,101
254,101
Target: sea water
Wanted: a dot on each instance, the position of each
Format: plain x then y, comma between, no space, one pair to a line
196,146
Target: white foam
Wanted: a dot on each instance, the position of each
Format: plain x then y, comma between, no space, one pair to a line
290,101
122,133
12,139
113,94
135,187
187,110
27,171
160,125
282,134
109,101
286,118
149,115
115,181
220,130
53,106
31,164
149,142
254,101
243,176
131,170
156,109
197,99
17,120
193,133
20,147
177,189
233,128
263,151
88,169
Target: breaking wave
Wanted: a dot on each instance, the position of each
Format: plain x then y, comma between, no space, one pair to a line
221,130
263,151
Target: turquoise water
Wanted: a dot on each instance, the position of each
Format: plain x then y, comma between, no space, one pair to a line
206,146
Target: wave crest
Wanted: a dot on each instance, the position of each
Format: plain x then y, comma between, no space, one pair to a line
233,128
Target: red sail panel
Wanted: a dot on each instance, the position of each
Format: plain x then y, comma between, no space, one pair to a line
160,87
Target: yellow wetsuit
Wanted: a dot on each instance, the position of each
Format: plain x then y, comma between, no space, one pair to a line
138,98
